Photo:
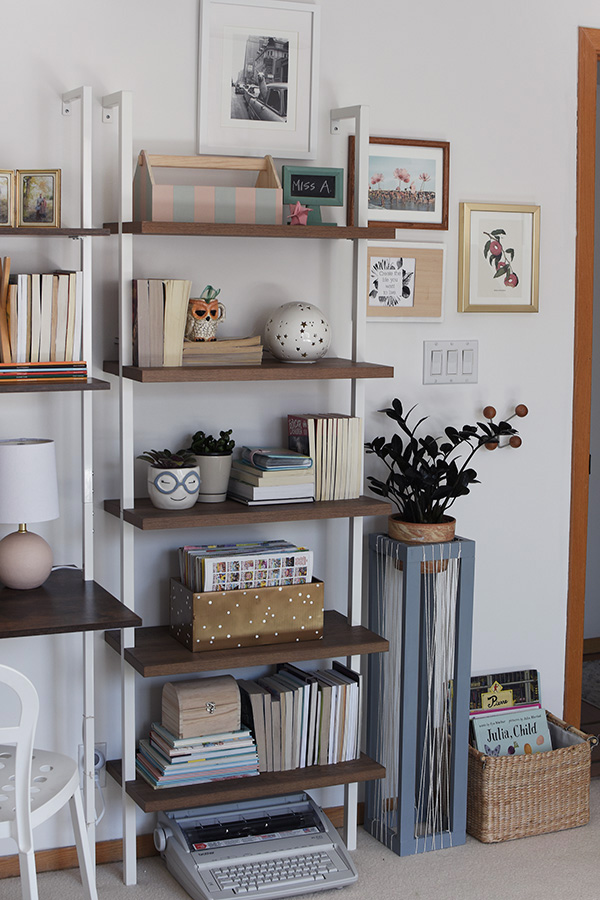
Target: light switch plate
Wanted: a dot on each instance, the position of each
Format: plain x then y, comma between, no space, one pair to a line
450,362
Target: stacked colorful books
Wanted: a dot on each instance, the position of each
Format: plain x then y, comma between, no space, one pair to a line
262,477
166,761
227,567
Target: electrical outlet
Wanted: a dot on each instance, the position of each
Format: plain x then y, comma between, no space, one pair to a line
99,763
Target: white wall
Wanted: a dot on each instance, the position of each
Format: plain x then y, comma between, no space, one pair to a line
503,92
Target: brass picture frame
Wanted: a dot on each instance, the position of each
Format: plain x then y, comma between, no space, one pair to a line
7,198
499,258
38,198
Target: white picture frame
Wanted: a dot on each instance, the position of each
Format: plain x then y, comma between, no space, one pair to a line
423,275
244,46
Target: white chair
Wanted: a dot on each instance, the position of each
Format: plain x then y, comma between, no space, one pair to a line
34,784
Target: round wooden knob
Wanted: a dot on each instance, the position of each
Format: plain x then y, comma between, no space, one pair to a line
521,410
489,412
515,441
491,446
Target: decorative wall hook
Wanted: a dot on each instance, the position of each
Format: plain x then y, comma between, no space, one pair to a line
514,440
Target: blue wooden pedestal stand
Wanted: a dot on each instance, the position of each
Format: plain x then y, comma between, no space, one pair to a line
399,694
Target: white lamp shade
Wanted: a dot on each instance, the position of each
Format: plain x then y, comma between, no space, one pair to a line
28,485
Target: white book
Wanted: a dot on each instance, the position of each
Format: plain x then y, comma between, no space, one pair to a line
272,491
78,326
62,309
34,353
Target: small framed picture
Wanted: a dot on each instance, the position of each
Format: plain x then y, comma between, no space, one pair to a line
38,198
499,261
405,281
7,198
407,183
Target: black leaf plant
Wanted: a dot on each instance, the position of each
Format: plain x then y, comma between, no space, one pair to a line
425,475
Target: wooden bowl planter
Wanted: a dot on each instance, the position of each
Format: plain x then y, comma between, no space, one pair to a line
421,532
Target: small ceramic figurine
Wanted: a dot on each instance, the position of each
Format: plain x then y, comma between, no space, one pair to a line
204,314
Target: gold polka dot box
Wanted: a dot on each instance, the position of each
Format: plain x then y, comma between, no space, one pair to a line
220,620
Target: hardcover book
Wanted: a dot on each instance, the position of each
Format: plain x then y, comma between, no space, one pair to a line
518,732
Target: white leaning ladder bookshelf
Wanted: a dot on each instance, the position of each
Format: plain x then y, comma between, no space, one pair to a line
118,108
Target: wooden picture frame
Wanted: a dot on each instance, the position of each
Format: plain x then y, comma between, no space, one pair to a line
398,171
7,198
258,78
499,258
38,198
405,281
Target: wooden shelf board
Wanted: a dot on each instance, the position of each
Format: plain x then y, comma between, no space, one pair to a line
207,229
147,517
64,603
43,232
268,370
266,784
25,387
157,653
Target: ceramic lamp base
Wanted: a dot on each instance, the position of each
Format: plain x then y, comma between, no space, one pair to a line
25,560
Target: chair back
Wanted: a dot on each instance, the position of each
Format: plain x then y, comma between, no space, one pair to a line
21,734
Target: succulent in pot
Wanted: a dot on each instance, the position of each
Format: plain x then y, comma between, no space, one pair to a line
214,456
173,478
425,475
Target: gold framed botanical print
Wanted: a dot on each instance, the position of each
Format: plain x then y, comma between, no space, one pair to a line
499,258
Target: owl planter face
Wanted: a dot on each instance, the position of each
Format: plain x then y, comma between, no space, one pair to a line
173,488
202,319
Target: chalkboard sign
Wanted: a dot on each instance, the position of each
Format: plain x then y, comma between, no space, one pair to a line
313,187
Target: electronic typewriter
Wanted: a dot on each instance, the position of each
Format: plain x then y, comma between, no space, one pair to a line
272,847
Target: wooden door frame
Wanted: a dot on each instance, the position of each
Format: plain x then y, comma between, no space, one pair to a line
589,56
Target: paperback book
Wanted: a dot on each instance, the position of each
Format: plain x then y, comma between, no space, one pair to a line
514,733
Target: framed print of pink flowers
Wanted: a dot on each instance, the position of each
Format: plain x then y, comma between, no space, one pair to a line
499,258
407,183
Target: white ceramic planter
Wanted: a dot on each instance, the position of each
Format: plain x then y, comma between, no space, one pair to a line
173,488
214,477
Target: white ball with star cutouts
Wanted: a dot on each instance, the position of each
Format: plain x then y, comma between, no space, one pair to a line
297,332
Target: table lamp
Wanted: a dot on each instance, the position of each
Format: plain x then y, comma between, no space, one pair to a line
28,493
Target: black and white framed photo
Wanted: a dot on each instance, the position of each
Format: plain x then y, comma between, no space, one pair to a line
257,73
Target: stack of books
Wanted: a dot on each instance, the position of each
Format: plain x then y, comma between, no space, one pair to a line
166,761
334,442
506,715
246,351
303,718
262,477
160,307
227,567
43,373
45,321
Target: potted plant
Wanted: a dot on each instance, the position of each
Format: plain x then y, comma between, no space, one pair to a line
173,478
427,474
213,456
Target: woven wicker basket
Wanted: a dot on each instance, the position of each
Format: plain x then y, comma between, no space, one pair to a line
517,796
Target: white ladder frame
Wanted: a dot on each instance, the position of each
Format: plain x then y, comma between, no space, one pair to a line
118,107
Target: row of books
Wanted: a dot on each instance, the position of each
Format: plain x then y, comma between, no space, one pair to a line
255,483
160,307
303,718
334,443
226,567
166,761
45,318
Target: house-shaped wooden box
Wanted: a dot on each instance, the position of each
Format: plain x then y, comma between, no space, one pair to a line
258,205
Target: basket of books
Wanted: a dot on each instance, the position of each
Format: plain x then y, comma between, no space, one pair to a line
525,793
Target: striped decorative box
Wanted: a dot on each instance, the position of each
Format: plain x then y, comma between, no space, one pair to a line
258,205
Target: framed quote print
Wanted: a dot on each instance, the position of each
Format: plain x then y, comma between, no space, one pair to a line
405,282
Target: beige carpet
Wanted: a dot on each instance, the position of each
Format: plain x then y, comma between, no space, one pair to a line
562,865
